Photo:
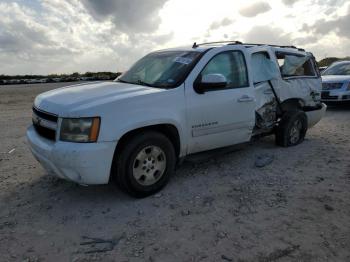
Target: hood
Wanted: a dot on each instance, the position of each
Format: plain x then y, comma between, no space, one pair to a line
336,78
72,99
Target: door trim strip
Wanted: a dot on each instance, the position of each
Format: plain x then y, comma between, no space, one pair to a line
219,129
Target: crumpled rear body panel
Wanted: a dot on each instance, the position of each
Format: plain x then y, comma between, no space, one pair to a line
286,85
298,88
266,106
301,88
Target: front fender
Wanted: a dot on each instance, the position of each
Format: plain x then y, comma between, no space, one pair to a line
167,107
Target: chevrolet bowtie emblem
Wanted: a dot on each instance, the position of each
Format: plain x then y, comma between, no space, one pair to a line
36,120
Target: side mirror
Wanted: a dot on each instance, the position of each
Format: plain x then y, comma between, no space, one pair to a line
210,82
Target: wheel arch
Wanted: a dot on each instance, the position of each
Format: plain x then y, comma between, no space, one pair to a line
291,104
169,130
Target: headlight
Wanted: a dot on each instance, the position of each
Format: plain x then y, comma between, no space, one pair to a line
81,130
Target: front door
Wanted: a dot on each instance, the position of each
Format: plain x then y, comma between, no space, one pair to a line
225,116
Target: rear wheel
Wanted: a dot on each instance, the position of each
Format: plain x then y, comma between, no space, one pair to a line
144,164
291,129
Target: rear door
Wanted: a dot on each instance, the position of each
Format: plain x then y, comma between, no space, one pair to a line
225,116
264,69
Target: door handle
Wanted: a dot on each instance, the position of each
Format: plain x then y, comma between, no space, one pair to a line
268,92
245,98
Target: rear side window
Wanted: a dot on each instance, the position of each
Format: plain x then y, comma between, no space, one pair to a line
230,64
263,68
293,65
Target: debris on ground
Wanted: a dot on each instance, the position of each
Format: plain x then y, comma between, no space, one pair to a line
328,207
263,160
279,253
185,212
12,150
99,245
159,195
226,258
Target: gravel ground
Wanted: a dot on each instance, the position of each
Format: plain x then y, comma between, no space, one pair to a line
219,207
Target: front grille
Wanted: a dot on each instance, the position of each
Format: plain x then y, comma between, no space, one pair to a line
325,95
45,124
45,132
45,115
331,86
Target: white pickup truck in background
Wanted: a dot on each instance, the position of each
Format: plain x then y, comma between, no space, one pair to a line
174,103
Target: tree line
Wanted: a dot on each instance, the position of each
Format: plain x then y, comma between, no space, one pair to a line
329,60
64,77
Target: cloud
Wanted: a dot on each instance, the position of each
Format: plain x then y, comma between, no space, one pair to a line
21,35
69,38
255,9
289,2
328,2
127,16
267,35
306,40
277,36
217,24
61,36
339,26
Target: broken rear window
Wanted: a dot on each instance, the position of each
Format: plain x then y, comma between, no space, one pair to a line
295,65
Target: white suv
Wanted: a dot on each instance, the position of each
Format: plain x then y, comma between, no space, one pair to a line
173,103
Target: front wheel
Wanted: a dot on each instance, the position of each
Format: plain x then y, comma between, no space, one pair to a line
144,164
291,129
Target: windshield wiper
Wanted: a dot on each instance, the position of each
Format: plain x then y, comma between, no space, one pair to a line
140,82
123,81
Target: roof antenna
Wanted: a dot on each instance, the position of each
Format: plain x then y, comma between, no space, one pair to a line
195,45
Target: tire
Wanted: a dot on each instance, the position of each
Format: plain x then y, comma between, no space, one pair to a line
292,128
145,164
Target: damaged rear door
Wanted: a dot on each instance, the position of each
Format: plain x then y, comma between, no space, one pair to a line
265,75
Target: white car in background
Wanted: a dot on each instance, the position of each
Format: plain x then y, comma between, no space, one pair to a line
322,68
173,103
336,82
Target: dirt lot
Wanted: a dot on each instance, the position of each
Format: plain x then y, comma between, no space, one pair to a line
221,208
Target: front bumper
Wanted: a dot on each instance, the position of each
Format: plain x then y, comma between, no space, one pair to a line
83,163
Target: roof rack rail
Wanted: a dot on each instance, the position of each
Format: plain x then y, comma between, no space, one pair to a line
282,46
195,45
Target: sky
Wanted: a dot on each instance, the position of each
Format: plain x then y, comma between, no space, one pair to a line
66,36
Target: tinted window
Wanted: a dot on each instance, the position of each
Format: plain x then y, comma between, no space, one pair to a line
231,65
162,69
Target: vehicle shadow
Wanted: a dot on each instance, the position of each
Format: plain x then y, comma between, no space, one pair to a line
64,202
47,193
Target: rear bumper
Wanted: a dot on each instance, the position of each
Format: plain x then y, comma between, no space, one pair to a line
83,163
315,115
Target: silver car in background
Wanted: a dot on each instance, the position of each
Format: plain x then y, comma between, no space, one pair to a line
336,82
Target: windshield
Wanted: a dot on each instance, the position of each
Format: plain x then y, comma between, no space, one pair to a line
338,69
164,69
